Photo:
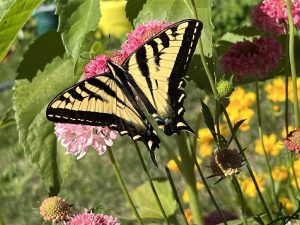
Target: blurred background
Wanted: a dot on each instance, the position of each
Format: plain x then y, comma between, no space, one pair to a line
91,182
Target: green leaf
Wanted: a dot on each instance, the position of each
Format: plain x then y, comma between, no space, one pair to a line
77,18
171,10
204,14
208,118
39,53
235,129
146,203
5,5
133,7
36,133
12,21
197,73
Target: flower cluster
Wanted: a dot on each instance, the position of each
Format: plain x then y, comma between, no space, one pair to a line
226,162
253,58
271,16
93,219
292,141
272,146
276,90
77,138
239,107
54,209
248,187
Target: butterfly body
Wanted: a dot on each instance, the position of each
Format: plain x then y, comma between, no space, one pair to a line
153,74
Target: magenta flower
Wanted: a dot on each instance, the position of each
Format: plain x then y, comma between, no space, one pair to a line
78,138
255,58
93,219
140,34
271,16
292,141
264,22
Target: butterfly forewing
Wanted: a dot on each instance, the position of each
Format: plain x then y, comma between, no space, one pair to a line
156,71
103,101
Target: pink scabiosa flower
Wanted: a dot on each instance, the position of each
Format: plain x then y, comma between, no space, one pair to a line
271,16
93,219
78,138
292,141
141,34
254,58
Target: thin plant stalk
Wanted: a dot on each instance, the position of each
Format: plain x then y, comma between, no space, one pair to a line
247,164
187,170
260,132
151,183
292,63
207,187
171,181
237,187
286,116
122,185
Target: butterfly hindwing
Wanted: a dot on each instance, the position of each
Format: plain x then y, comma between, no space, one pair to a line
156,71
103,100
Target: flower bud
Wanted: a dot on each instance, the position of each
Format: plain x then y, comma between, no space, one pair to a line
54,209
224,88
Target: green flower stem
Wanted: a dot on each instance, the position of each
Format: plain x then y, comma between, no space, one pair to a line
286,102
291,161
237,187
292,63
260,132
207,187
171,181
187,170
217,122
247,164
286,116
122,185
151,183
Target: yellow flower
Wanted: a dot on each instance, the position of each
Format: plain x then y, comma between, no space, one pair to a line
188,215
206,139
185,195
248,186
239,98
205,149
113,19
272,146
204,135
290,91
280,173
287,204
283,133
297,172
172,165
238,109
276,90
276,108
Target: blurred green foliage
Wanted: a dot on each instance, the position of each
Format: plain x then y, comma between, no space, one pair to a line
230,14
91,182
